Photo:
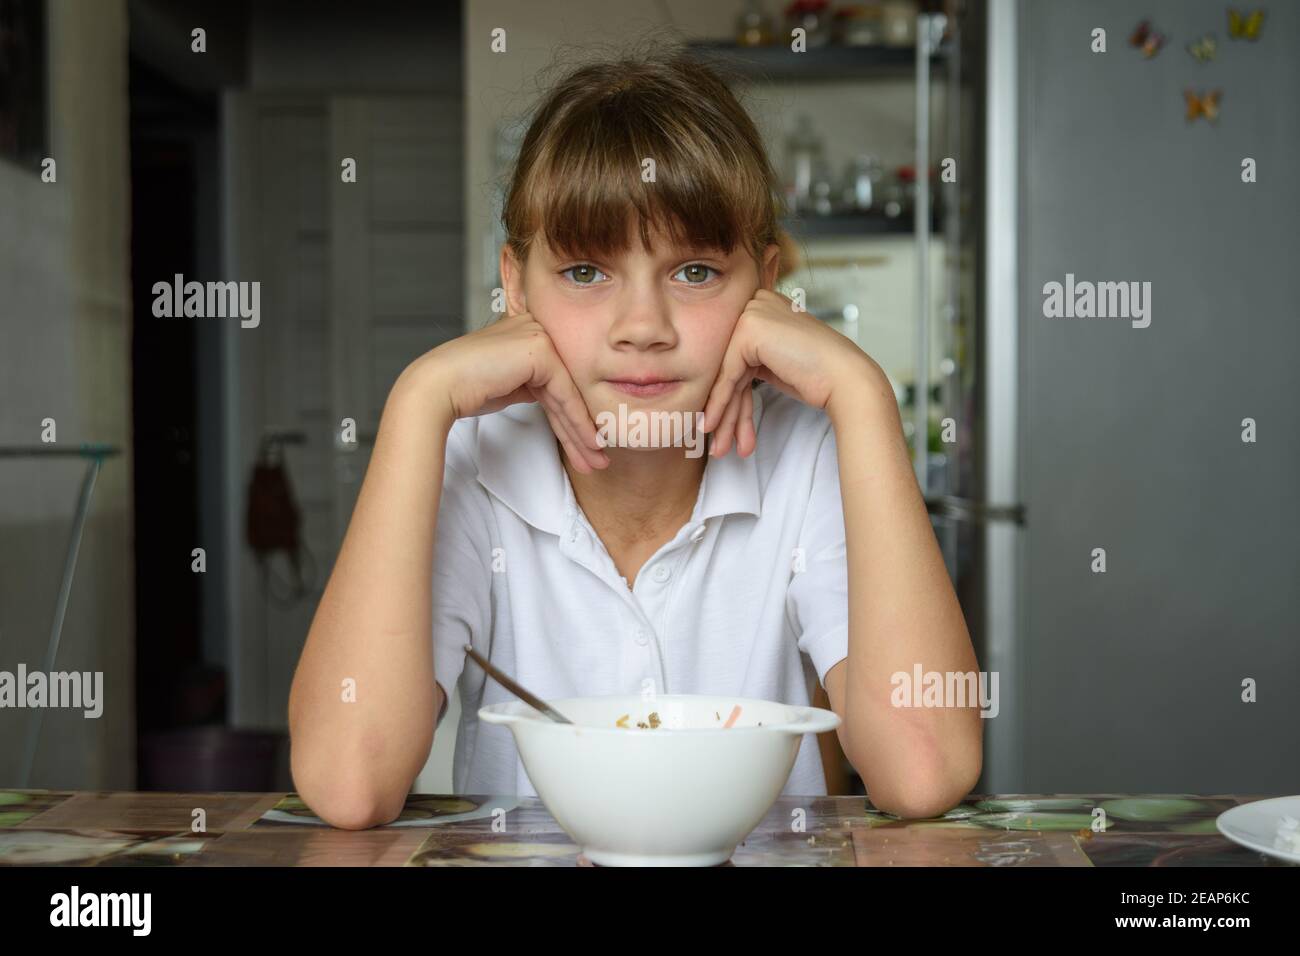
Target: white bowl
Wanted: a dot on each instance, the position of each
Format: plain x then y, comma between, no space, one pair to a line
682,794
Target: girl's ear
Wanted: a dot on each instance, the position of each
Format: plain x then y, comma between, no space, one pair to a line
771,266
512,277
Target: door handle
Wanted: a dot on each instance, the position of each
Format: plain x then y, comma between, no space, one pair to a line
979,512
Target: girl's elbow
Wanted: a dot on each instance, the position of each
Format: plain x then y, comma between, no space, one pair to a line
923,795
351,811
341,805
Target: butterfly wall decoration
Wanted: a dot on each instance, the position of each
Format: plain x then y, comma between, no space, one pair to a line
1206,104
1204,49
1147,39
1245,26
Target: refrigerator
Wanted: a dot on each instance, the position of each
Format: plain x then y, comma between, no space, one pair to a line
1118,508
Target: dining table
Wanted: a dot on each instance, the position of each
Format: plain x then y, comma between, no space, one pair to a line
143,828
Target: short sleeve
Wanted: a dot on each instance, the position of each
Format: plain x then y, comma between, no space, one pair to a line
817,600
462,565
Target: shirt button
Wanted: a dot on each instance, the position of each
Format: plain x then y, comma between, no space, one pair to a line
640,636
660,573
697,534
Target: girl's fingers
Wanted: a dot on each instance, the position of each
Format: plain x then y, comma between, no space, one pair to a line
726,427
734,368
575,411
734,408
584,458
718,443
564,400
746,438
561,431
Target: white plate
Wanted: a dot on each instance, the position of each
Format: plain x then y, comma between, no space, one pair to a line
1255,825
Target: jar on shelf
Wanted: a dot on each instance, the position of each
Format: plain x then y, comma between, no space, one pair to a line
753,25
814,17
823,190
863,179
907,182
899,18
860,24
803,151
892,195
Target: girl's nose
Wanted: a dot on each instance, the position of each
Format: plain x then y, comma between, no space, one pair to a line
643,321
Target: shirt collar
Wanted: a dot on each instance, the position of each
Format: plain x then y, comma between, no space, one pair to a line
519,463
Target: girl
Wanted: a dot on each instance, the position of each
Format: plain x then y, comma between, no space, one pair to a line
642,250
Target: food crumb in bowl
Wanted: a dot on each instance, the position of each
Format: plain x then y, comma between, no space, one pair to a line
731,718
654,721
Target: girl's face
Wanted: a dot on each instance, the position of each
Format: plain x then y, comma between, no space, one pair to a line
644,329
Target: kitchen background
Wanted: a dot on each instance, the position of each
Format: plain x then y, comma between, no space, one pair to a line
1069,434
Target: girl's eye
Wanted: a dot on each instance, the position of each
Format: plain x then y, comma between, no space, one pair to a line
583,269
585,274
699,270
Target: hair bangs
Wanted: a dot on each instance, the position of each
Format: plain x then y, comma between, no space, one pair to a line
657,143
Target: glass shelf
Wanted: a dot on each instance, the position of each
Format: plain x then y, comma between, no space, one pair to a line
852,224
779,62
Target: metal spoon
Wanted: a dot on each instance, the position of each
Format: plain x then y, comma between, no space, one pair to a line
535,702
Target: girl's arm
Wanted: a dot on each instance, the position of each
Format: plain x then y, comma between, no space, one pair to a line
354,755
353,761
914,761
903,611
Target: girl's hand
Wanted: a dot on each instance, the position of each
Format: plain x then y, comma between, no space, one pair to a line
799,354
508,362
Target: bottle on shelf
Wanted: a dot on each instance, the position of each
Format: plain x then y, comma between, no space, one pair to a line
863,178
860,24
899,17
823,190
753,25
803,156
814,17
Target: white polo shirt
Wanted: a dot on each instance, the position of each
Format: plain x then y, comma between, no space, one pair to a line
728,606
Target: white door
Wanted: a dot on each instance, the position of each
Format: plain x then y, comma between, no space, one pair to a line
357,279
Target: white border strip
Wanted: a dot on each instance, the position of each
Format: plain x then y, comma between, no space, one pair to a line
1004,766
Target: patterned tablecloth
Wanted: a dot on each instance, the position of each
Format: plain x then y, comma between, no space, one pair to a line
277,829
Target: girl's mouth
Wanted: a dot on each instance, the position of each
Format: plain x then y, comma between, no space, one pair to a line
644,387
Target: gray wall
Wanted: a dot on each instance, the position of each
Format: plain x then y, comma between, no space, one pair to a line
1131,437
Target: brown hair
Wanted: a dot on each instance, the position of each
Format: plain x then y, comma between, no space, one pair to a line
578,175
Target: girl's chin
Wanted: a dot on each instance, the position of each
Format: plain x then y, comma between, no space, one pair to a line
650,425
634,408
